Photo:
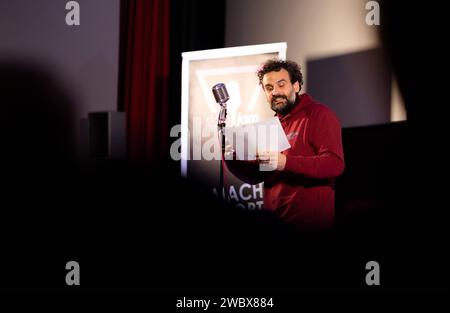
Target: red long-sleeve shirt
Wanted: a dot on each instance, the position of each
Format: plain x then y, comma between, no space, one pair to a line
303,193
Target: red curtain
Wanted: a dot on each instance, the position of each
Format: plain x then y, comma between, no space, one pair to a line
145,70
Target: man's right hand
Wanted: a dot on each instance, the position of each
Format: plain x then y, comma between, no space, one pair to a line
229,152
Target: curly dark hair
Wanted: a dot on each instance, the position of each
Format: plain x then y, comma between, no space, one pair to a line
276,65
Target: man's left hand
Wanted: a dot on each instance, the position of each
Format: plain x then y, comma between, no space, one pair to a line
276,159
281,164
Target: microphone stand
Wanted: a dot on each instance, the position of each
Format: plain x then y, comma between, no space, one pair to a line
221,131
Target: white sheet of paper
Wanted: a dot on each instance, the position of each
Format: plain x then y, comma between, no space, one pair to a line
247,140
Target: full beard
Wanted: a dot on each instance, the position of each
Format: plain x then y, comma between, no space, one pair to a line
282,107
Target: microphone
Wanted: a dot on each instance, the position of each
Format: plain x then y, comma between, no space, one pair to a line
220,93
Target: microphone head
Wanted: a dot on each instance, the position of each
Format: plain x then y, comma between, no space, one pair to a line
220,93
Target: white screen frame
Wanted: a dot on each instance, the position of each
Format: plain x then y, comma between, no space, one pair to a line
280,48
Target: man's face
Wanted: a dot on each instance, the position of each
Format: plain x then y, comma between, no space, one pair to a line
280,92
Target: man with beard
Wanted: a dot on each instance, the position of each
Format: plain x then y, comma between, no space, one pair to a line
301,189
